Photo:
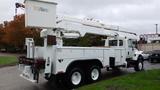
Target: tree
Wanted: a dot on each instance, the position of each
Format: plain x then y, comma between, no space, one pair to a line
86,41
14,33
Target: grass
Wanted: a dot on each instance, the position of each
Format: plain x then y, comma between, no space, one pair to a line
146,80
7,60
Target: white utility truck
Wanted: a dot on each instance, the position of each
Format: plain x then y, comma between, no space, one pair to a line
73,64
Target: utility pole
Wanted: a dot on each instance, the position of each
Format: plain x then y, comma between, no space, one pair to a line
156,28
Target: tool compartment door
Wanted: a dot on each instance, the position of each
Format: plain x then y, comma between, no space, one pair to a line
118,54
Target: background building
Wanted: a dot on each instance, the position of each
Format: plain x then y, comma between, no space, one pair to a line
150,38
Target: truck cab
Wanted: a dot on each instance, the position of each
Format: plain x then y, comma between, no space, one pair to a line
128,44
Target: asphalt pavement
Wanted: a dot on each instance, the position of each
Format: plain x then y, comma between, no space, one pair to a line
10,79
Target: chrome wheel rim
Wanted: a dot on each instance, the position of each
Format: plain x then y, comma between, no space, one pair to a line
95,74
76,78
140,66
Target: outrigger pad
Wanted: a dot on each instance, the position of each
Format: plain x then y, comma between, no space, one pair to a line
28,74
31,68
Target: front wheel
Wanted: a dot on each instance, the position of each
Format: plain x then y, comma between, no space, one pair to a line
139,66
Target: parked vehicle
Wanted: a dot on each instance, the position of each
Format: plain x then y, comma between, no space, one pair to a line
75,65
3,50
146,54
154,56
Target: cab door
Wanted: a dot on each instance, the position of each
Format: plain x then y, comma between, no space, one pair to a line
130,49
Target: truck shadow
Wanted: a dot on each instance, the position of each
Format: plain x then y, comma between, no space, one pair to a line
52,86
111,74
105,75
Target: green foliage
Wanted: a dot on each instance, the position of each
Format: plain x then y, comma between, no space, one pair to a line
13,34
86,41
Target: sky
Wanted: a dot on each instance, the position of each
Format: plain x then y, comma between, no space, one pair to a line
139,16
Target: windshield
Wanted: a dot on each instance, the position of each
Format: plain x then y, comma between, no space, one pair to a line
134,44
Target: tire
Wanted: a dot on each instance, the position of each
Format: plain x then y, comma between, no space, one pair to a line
56,80
59,82
139,66
75,77
93,73
48,78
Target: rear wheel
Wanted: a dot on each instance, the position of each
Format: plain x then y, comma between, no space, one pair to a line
57,80
94,73
75,77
